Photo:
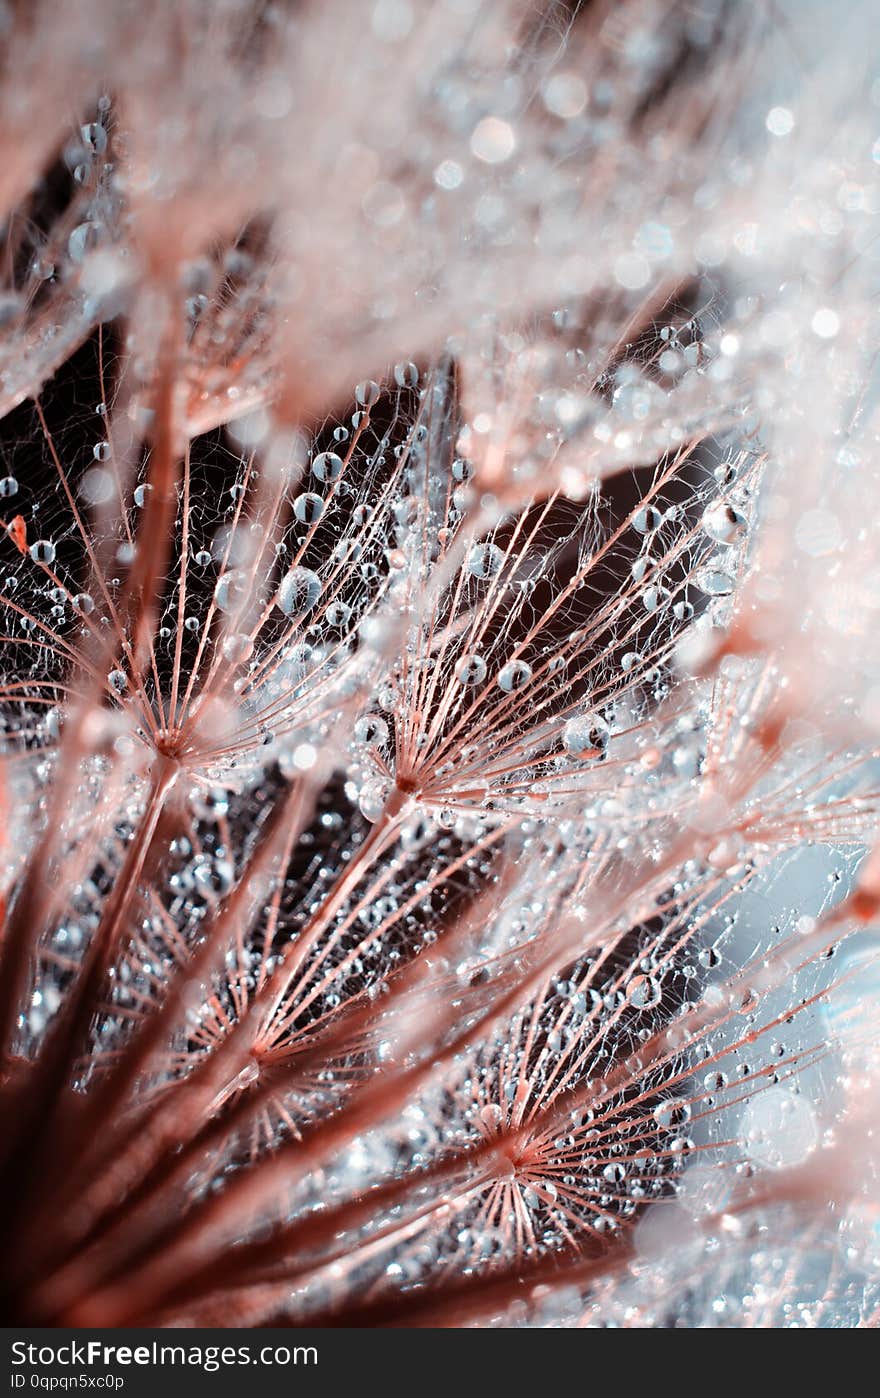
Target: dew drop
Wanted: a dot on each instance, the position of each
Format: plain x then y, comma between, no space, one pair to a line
237,648
96,486
299,591
371,730
373,796
338,614
585,734
406,375
42,551
328,466
515,675
230,591
654,597
672,1114
645,993
308,508
723,523
493,140
779,1129
94,136
367,393
647,520
471,669
82,240
714,582
485,561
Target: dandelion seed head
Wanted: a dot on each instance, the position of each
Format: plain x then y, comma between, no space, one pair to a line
438,704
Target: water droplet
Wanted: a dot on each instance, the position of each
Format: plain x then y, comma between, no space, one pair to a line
714,582
654,597
485,560
96,486
647,520
328,466
82,241
338,614
585,733
471,669
373,796
779,1128
94,136
645,992
723,523
515,675
230,592
299,591
237,648
367,393
406,375
493,140
372,730
672,1114
308,508
565,95
42,551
